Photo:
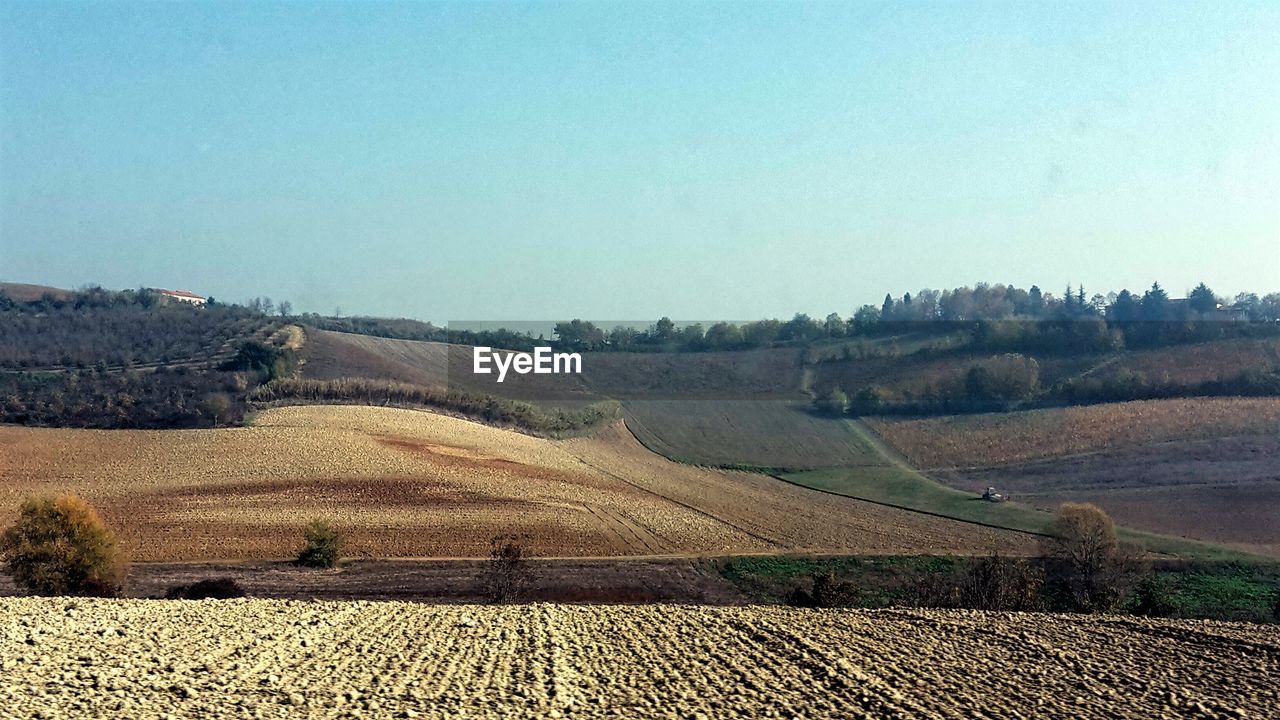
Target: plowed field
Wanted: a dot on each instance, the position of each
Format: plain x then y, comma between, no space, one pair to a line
259,658
403,483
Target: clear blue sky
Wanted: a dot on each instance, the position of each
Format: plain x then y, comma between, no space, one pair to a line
609,160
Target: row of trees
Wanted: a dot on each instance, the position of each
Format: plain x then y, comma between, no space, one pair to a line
1005,317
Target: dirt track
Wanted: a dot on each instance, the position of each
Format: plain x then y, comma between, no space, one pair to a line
139,659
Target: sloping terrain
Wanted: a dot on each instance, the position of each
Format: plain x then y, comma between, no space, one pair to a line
269,659
407,483
761,433
26,292
1002,438
755,374
1225,490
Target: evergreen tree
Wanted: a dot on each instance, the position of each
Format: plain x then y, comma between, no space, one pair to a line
1202,300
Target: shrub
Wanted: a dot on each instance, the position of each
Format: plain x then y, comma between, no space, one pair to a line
1153,597
1090,569
507,576
217,589
832,403
828,591
321,547
871,400
59,546
986,583
1001,583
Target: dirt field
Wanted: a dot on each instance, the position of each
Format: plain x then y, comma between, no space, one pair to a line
403,483
259,658
1000,438
1222,489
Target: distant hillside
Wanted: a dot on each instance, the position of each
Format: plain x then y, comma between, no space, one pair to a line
106,359
22,292
759,374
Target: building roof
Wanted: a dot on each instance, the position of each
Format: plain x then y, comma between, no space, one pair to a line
179,293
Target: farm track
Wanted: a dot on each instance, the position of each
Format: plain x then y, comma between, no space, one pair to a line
275,659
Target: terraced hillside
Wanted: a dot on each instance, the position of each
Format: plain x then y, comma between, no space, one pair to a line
415,484
259,658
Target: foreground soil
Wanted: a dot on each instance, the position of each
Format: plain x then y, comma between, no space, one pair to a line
261,658
405,483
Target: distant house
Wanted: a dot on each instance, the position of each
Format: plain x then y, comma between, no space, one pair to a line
185,296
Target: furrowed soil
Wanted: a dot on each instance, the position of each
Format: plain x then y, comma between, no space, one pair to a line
260,658
403,483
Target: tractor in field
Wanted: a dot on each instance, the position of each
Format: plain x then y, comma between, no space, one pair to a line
992,496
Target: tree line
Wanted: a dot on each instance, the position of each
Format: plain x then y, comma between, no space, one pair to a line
1001,317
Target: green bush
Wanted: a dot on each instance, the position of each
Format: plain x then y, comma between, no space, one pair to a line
1153,597
59,546
321,547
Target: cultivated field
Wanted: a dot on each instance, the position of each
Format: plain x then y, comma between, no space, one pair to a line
1225,490
763,433
1201,362
259,658
1002,438
403,483
751,374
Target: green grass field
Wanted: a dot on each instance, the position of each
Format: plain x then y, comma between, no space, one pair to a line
768,435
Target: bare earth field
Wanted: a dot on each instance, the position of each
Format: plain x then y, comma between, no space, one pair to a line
960,441
1225,490
404,483
264,659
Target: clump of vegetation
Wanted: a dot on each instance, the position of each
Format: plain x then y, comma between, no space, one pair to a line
992,582
322,545
826,591
214,589
258,357
1153,597
506,577
60,546
833,402
1089,568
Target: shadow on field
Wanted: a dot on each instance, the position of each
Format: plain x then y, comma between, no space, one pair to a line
446,581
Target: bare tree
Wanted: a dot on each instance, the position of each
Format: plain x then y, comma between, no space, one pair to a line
1092,568
507,576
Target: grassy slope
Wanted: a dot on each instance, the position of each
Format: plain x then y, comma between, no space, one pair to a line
899,485
768,435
